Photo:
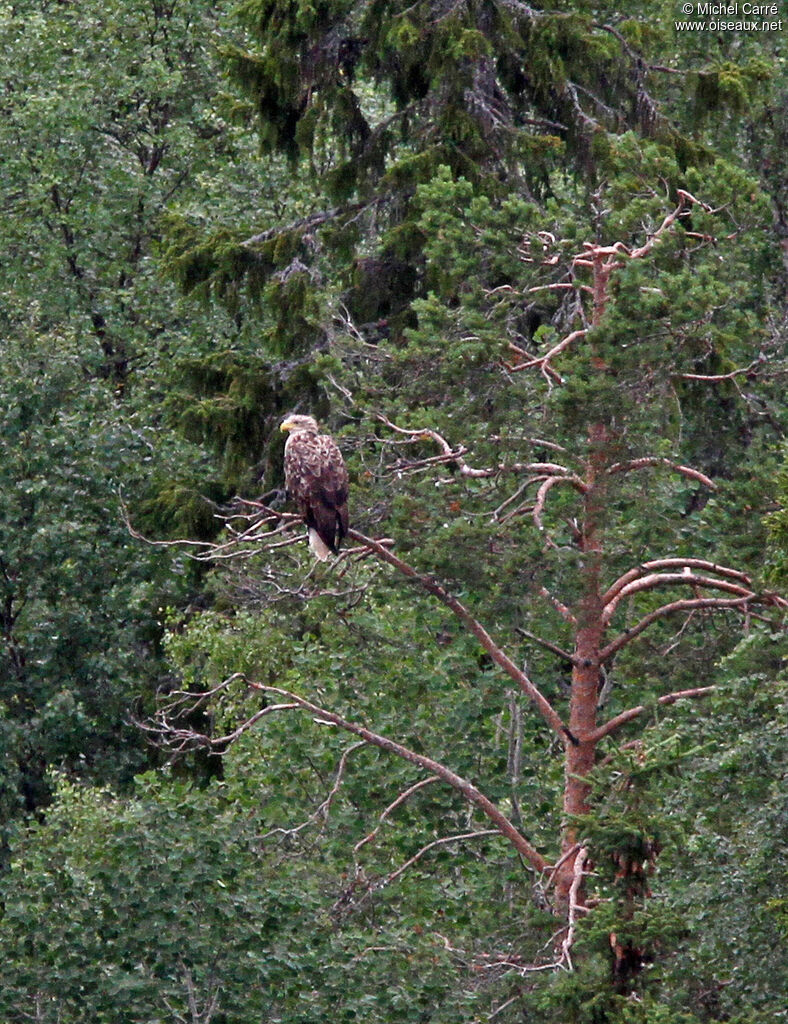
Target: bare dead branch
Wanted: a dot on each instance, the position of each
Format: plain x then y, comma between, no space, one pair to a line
204,545
198,1016
376,949
496,515
541,495
178,738
685,199
685,578
714,603
657,564
468,791
560,607
676,638
553,869
626,716
537,442
604,259
514,758
548,645
575,906
560,286
717,377
314,220
494,961
543,361
547,711
256,534
688,471
456,455
504,1005
189,701
181,739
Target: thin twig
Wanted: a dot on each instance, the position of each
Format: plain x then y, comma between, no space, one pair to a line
431,846
325,806
392,807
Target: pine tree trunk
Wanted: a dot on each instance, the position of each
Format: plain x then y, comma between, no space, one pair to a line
589,633
580,753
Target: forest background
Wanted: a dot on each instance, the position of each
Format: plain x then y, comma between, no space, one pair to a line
529,267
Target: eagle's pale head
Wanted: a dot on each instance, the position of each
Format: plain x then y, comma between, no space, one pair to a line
296,422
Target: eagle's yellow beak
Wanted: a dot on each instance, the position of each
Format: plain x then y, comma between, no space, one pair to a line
287,425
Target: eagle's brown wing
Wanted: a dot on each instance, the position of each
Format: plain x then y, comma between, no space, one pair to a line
317,480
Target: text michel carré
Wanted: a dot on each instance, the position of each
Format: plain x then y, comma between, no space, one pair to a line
732,10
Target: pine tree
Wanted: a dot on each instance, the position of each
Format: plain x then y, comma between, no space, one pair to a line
545,322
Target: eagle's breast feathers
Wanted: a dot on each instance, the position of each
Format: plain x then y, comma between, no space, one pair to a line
317,481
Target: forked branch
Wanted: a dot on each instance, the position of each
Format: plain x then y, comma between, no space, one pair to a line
457,455
575,905
544,362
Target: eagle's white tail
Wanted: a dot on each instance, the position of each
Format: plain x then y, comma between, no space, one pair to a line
319,549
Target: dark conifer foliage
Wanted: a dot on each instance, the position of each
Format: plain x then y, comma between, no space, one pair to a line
366,101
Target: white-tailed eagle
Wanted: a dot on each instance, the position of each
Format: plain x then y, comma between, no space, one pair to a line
316,480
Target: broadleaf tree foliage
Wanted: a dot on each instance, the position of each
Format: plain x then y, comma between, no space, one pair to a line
105,119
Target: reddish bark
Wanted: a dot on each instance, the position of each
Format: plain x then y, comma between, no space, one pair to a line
589,635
